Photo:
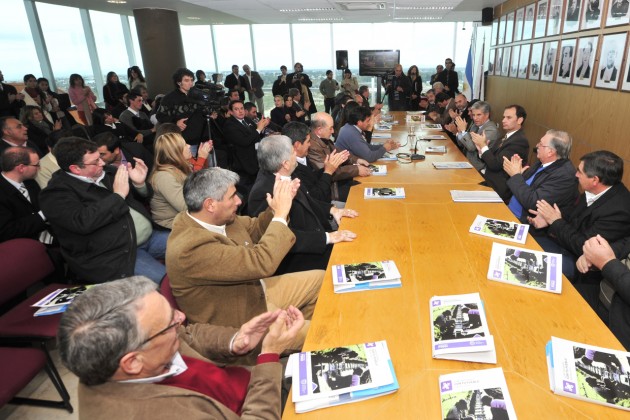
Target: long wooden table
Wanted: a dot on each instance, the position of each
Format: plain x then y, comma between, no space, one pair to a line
427,236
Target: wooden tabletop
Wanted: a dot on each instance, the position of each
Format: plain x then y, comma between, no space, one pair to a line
427,236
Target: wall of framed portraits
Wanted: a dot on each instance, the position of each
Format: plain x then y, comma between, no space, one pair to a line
566,62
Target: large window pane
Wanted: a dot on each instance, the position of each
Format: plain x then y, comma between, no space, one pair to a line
233,46
312,48
110,44
272,46
63,32
198,50
17,48
136,43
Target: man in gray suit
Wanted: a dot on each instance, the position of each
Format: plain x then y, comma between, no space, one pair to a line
481,124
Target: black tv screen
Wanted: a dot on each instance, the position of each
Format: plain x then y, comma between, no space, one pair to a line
377,62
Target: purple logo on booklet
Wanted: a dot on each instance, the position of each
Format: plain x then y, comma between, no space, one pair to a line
339,269
497,274
370,345
471,343
568,387
477,228
519,235
553,282
446,386
302,374
436,302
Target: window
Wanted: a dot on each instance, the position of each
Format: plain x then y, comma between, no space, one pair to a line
233,46
197,40
17,48
110,44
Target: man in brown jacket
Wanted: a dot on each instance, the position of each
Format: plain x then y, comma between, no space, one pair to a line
322,128
220,264
134,358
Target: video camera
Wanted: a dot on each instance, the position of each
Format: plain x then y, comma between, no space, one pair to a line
207,98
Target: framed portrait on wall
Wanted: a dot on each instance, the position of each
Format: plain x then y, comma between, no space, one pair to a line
495,32
528,22
625,82
491,57
555,17
514,61
535,61
549,61
610,57
518,24
565,64
584,60
592,14
541,18
617,13
523,62
505,65
509,28
498,62
572,17
502,25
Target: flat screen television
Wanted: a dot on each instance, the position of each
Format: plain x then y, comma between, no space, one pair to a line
377,62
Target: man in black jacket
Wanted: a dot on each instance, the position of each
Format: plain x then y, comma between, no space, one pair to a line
317,182
105,233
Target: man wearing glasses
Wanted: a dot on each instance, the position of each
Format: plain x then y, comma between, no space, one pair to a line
98,215
134,358
14,133
20,216
552,178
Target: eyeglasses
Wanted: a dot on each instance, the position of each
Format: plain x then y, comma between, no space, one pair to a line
173,325
97,162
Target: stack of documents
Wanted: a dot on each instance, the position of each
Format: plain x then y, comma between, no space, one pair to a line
460,196
365,276
58,301
500,229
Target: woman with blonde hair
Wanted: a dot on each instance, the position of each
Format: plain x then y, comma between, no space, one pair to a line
172,166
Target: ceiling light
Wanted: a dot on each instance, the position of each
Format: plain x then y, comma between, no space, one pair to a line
362,5
419,18
117,1
312,9
193,18
424,8
331,19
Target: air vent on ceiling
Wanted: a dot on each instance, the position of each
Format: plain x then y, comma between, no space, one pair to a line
362,5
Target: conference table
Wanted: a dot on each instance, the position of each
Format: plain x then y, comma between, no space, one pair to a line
427,235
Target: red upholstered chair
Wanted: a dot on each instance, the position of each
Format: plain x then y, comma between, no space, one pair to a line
167,292
25,262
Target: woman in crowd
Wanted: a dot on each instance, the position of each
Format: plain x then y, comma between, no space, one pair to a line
83,97
290,110
51,103
35,97
172,166
135,77
112,90
416,88
39,128
105,122
278,114
349,84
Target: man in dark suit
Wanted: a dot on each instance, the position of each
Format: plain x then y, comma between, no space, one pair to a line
447,105
255,91
514,142
603,209
10,101
14,133
115,152
552,178
20,216
300,80
235,81
608,73
317,182
449,78
309,218
242,137
397,89
138,121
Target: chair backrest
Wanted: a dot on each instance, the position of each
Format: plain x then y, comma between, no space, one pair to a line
167,292
25,262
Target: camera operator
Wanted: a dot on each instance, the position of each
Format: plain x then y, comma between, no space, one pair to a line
397,89
300,80
188,113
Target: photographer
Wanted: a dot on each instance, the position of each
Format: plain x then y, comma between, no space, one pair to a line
302,83
187,112
397,89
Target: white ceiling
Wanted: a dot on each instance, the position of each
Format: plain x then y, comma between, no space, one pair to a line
268,11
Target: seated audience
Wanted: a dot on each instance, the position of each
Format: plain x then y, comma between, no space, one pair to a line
38,127
115,152
552,178
322,128
144,363
603,209
105,122
138,121
308,218
446,105
20,215
135,78
112,90
514,142
220,264
352,139
279,114
104,230
10,100
48,164
33,96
